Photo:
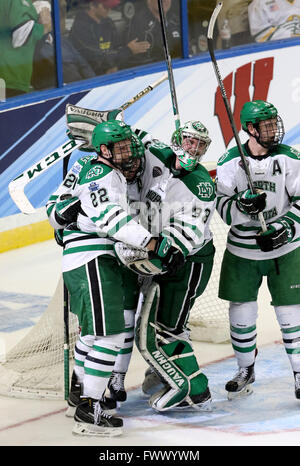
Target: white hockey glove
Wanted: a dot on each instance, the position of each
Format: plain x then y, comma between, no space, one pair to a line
279,232
138,260
82,121
249,203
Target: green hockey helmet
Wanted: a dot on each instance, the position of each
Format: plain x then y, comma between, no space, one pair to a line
190,154
111,132
256,111
259,110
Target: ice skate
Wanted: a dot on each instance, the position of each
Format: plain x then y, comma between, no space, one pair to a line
297,385
108,405
152,382
240,385
90,420
201,402
116,386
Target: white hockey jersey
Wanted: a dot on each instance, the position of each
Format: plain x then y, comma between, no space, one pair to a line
104,216
274,19
178,205
278,175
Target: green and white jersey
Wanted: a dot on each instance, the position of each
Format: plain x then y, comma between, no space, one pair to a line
104,216
178,204
278,175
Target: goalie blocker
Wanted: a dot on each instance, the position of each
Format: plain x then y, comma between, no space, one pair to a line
173,360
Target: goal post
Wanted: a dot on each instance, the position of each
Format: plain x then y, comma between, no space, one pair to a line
34,367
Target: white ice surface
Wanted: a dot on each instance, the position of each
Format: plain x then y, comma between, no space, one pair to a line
270,416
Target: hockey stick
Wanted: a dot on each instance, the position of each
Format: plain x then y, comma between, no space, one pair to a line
169,65
144,91
210,45
17,185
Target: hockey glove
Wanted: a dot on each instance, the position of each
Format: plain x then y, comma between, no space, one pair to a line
67,209
249,203
82,148
171,257
279,232
58,236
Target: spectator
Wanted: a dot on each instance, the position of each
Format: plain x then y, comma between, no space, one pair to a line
274,19
236,12
96,37
20,29
145,26
75,67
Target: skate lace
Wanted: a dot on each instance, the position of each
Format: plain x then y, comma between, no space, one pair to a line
118,381
242,374
98,413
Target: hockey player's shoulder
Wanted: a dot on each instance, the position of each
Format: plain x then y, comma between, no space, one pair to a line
91,169
229,155
200,183
162,152
283,149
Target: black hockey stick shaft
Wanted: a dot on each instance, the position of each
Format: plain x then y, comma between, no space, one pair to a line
169,64
210,44
66,317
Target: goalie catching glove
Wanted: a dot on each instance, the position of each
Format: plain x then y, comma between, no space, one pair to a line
165,258
67,209
251,204
279,232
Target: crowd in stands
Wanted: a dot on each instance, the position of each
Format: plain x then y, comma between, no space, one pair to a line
103,36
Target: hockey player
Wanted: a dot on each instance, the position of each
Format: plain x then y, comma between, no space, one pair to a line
252,253
94,192
177,195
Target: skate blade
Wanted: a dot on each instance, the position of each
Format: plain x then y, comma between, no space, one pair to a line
246,391
92,430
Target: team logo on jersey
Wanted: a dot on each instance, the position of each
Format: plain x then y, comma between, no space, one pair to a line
95,171
157,171
93,186
205,189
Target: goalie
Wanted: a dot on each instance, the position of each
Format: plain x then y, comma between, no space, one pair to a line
176,197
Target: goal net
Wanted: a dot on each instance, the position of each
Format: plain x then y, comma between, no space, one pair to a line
34,368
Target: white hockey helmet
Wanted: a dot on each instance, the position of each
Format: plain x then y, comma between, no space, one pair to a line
194,140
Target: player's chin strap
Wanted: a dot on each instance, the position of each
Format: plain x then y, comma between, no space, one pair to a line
166,357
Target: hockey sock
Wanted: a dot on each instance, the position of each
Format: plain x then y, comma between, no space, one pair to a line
99,364
288,318
82,347
242,319
124,356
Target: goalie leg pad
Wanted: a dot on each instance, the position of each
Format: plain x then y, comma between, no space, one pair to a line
147,344
175,362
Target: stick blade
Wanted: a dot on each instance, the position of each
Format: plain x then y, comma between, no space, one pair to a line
16,191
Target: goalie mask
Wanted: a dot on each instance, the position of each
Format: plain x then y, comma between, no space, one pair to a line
125,148
265,120
192,141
